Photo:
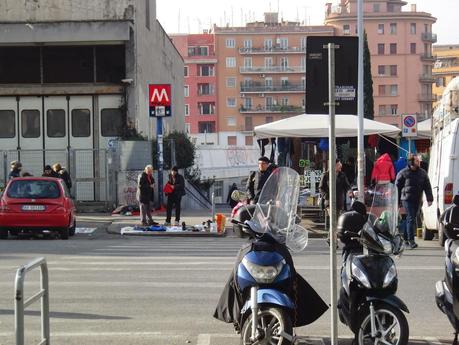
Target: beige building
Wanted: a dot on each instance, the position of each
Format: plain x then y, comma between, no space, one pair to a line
261,75
446,67
400,44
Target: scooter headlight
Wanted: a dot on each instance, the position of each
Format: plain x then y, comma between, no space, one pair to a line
263,274
360,276
390,276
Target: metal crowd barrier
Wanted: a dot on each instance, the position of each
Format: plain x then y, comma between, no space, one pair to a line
20,305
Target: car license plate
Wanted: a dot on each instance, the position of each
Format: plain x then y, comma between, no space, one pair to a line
33,207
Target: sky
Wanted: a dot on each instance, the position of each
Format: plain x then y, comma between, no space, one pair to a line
194,16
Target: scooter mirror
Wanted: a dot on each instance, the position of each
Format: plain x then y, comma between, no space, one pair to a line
238,195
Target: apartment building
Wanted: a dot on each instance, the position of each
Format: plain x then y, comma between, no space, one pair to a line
446,67
400,44
198,52
261,75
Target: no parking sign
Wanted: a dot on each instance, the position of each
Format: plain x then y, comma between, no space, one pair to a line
409,126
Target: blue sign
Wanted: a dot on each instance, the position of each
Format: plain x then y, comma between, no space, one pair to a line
409,121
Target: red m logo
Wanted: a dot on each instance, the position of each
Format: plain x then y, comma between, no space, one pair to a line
159,94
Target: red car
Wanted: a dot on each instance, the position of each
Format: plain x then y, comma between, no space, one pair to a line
34,204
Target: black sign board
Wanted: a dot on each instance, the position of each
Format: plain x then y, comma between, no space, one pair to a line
346,74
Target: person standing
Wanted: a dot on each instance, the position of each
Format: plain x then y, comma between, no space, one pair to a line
16,167
146,185
230,200
49,172
63,174
349,170
342,188
411,182
174,198
257,179
383,170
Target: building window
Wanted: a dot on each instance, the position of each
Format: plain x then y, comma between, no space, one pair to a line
230,62
230,43
393,70
248,103
232,140
248,124
218,189
187,128
231,82
248,62
376,8
206,127
283,43
284,101
30,123
381,70
186,91
393,28
382,110
390,8
394,90
346,29
55,123
81,123
231,121
381,29
231,102
269,83
206,70
412,48
205,89
380,48
268,61
248,140
303,43
393,48
187,110
248,44
413,28
206,108
268,44
8,127
393,109
111,122
284,62
382,90
185,71
198,51
439,82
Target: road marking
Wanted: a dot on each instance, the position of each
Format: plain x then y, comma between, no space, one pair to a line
203,339
85,230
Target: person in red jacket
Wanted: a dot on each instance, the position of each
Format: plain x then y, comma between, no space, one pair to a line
383,170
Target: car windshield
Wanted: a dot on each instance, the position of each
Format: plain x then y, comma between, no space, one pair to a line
33,189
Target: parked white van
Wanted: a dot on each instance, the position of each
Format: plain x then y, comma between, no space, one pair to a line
443,165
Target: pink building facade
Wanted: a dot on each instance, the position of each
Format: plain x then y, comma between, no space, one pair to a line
198,52
400,44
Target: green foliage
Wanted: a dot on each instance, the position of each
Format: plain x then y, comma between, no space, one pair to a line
185,150
368,102
193,175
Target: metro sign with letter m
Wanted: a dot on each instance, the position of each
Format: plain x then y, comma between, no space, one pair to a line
159,99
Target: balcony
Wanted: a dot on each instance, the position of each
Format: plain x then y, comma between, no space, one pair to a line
428,57
427,97
271,50
273,69
426,78
261,88
429,37
271,109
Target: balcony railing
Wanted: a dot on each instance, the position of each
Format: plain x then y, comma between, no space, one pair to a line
427,97
271,50
273,69
272,88
272,109
429,37
426,78
428,57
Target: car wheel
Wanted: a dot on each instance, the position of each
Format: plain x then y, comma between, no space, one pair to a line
64,232
3,234
72,229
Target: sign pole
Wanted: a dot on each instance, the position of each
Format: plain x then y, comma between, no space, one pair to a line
332,191
360,105
159,138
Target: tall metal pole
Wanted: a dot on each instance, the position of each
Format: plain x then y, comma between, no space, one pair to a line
360,107
332,190
159,138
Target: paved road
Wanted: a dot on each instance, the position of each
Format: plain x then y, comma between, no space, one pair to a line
107,289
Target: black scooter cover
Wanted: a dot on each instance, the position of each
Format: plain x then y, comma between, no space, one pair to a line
309,306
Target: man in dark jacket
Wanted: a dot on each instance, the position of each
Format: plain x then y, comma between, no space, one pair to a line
16,167
257,179
342,188
230,200
411,183
63,174
177,182
146,185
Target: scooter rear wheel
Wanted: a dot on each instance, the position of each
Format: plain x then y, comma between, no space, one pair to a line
391,327
272,323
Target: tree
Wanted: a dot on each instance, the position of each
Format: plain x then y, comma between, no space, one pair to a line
185,150
368,103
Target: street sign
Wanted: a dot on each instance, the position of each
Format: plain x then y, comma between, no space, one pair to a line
346,73
160,100
409,126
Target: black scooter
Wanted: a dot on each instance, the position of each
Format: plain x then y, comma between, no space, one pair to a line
447,290
367,301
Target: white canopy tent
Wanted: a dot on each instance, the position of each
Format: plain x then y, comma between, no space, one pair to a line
425,129
316,126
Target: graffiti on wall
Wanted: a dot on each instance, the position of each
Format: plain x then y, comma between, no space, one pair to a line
127,187
236,156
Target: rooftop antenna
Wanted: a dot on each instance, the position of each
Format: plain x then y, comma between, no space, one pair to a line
178,21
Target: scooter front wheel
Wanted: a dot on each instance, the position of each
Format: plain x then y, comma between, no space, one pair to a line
391,327
273,323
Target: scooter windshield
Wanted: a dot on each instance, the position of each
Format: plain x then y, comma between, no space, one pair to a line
276,209
383,204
